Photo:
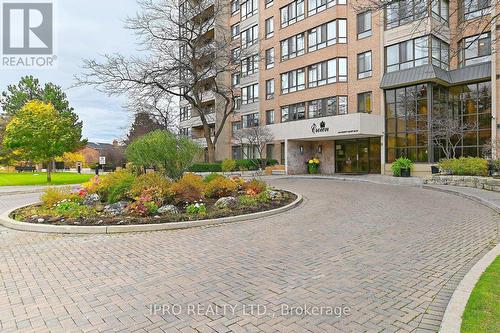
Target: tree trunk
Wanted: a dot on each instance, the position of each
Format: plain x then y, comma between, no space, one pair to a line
211,152
49,171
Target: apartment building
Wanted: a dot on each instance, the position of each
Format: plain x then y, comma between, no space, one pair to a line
358,89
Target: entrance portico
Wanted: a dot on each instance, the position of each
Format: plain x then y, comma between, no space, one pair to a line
349,143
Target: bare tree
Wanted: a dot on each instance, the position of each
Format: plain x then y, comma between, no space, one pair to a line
183,59
162,110
488,148
256,136
448,131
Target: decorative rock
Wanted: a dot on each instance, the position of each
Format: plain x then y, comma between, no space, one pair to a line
40,220
157,216
116,208
226,202
91,199
168,209
275,195
99,208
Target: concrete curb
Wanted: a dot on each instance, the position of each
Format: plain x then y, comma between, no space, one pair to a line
397,181
6,221
477,199
452,319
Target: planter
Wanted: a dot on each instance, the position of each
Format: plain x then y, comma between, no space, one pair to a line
434,169
405,172
312,169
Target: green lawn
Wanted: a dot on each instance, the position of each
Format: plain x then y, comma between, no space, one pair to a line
40,178
482,313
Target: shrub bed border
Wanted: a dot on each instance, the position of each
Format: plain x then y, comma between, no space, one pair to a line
8,222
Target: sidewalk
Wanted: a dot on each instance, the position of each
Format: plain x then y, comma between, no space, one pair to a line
13,190
488,198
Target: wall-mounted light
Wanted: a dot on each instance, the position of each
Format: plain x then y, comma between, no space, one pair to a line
301,149
320,149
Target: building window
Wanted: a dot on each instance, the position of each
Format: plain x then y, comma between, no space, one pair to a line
407,54
250,94
322,107
235,31
407,119
342,70
250,120
269,27
269,3
364,24
407,123
250,65
270,89
184,113
270,58
342,105
250,36
475,8
237,102
293,81
440,53
402,12
235,53
235,127
364,65
293,112
292,13
441,10
322,73
292,47
269,117
326,34
365,102
185,132
316,6
475,49
235,7
235,79
236,153
248,8
269,151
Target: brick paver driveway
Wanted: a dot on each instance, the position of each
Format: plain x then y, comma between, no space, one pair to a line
354,257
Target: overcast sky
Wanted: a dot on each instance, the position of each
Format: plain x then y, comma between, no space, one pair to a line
87,29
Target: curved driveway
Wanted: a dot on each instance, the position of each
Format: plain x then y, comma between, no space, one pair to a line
353,257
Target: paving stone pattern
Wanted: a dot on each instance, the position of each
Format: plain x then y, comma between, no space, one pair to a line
383,258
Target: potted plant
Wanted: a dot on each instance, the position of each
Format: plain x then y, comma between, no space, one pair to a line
402,167
313,165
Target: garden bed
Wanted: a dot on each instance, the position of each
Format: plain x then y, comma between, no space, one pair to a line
124,199
35,214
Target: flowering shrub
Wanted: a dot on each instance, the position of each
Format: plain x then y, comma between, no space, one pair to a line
189,188
212,176
314,161
72,209
115,186
196,209
156,186
220,187
143,205
228,165
248,200
54,195
90,187
254,187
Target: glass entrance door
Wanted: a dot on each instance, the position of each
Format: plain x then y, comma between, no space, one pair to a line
353,156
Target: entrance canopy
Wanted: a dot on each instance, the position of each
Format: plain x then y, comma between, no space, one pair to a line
354,125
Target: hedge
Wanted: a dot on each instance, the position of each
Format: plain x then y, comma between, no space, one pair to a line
206,167
465,166
240,165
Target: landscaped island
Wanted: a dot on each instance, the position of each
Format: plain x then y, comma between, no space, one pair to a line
122,198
